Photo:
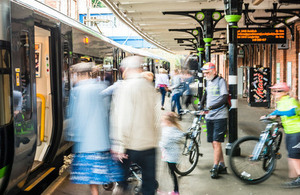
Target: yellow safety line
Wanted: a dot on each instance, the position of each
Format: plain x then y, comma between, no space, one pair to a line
42,135
39,179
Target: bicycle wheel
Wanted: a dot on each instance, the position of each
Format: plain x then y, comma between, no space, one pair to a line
247,170
188,158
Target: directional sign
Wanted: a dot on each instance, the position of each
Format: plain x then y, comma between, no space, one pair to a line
283,45
261,35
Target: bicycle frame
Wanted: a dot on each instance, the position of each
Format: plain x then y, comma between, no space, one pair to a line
194,132
266,138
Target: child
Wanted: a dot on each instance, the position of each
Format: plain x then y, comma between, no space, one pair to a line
170,139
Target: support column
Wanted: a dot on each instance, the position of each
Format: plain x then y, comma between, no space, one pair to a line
200,63
233,10
232,81
207,48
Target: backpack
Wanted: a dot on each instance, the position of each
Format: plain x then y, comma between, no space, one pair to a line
229,101
228,98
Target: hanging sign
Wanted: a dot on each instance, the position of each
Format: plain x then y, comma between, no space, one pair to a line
259,81
261,35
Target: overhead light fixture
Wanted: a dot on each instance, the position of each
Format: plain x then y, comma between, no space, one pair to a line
256,2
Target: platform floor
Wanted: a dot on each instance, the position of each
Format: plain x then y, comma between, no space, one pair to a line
199,181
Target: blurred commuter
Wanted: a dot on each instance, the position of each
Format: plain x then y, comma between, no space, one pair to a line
148,75
162,83
177,89
187,94
289,109
112,88
170,145
135,134
216,98
93,163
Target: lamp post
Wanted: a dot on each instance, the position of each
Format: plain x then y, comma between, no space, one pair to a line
233,10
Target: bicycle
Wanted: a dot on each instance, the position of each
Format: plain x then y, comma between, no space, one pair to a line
190,149
253,159
135,179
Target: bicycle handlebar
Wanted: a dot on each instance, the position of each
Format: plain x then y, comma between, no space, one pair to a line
194,112
267,119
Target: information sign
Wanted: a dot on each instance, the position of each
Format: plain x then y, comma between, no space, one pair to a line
261,35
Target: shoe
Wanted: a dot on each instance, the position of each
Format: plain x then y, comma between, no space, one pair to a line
180,117
162,108
173,193
292,184
160,192
214,173
222,170
118,190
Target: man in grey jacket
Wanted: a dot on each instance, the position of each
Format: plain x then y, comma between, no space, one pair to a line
135,132
216,98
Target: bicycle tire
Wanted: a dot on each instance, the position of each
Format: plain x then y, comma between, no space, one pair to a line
188,160
247,170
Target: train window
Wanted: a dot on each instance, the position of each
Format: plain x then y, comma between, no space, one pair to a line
25,76
5,88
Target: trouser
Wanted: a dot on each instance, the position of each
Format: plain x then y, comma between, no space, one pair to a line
188,100
173,175
146,159
163,95
176,101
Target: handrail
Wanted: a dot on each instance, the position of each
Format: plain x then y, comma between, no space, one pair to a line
42,116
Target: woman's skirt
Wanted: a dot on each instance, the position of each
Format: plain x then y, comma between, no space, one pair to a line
95,168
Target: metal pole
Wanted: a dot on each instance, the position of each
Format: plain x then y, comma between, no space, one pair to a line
200,63
207,52
232,81
233,9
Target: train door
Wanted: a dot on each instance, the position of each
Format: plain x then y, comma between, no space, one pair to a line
43,93
22,56
6,125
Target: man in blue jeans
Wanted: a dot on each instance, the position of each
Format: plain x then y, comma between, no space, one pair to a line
216,98
177,89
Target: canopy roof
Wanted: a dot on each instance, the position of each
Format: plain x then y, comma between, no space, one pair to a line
147,19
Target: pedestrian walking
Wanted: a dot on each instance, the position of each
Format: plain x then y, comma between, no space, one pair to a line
289,110
187,93
135,134
216,99
89,130
177,88
170,140
162,83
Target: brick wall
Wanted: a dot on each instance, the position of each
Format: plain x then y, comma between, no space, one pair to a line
290,56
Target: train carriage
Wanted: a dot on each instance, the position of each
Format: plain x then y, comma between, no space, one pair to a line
38,45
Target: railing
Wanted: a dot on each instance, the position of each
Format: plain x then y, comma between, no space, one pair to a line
42,134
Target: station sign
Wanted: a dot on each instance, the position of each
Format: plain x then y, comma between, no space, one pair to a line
261,35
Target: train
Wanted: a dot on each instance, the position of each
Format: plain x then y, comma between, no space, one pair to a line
38,46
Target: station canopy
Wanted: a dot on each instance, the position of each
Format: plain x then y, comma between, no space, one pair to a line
147,19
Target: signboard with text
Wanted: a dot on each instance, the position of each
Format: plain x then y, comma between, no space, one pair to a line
259,81
261,35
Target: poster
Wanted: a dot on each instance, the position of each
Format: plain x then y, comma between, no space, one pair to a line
259,83
37,59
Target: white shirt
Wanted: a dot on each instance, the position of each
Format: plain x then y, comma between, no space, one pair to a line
161,79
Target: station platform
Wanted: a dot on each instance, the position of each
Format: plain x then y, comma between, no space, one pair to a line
199,181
